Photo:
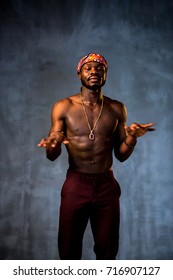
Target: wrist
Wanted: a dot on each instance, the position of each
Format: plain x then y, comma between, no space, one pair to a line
56,132
130,141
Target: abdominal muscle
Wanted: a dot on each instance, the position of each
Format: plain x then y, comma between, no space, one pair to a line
90,156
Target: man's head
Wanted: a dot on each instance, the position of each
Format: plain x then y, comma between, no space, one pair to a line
92,69
92,57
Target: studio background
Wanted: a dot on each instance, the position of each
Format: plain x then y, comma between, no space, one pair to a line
41,43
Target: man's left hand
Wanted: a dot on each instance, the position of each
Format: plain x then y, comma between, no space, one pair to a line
138,130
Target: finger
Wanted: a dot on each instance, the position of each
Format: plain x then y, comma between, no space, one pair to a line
42,143
146,125
66,142
127,128
135,129
149,129
54,143
135,126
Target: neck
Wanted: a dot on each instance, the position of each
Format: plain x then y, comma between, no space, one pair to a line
91,96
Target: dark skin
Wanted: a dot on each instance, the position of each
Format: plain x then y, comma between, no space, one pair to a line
69,126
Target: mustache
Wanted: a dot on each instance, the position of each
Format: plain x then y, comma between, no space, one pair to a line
94,75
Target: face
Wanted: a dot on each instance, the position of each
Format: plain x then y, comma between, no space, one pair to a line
93,75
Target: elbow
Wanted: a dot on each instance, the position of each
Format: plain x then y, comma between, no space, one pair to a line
120,157
53,156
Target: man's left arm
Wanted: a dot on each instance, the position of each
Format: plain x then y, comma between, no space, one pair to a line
126,136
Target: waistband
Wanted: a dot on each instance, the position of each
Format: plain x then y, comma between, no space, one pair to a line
90,175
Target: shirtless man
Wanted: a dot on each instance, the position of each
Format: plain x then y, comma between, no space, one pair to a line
93,128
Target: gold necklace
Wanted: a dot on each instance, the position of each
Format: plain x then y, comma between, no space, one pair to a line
91,135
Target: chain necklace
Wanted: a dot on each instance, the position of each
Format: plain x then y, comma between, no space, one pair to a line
91,136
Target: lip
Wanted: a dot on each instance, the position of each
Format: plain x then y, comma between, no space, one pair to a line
94,79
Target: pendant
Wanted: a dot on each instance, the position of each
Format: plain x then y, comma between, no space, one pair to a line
91,136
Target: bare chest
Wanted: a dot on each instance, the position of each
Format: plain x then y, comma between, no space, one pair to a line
80,122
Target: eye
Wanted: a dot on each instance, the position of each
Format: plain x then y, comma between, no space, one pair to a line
100,68
87,68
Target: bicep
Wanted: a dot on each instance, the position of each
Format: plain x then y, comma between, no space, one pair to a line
58,116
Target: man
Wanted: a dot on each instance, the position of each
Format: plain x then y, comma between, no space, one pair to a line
92,127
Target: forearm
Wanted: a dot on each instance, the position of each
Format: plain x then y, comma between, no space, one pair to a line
53,148
126,148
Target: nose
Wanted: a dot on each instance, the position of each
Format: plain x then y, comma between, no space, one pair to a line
93,70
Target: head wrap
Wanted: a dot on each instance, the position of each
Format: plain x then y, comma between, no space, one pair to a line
92,57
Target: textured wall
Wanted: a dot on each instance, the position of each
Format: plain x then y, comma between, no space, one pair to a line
40,45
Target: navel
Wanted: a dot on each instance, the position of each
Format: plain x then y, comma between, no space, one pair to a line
92,162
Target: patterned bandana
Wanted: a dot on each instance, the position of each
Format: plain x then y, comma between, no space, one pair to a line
92,57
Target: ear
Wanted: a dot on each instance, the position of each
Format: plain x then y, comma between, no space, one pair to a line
79,75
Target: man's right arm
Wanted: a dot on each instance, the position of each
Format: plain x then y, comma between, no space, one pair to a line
57,134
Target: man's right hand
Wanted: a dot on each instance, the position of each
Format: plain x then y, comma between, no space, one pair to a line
53,139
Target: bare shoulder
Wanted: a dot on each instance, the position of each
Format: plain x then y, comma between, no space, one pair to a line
113,102
64,104
117,106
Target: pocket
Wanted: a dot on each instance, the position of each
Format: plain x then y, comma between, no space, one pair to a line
71,186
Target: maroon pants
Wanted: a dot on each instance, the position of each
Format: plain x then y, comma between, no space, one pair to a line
93,197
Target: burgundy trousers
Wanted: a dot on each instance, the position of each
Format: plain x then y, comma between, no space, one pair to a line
89,197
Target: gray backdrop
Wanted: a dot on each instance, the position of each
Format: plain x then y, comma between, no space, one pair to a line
40,44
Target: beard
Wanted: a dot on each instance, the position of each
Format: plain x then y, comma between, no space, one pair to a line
96,86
